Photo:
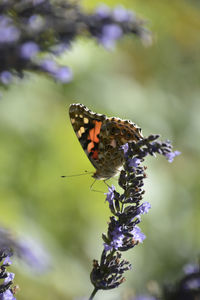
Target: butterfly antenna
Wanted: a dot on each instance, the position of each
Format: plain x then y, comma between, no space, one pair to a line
68,176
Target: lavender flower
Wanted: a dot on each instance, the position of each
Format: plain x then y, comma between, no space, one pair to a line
123,231
171,155
31,29
26,249
110,194
6,292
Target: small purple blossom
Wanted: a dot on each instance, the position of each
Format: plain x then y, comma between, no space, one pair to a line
10,277
49,65
192,284
7,261
6,77
29,50
102,11
7,295
8,32
125,148
7,277
134,162
120,14
110,195
171,155
63,74
110,33
138,235
144,208
191,268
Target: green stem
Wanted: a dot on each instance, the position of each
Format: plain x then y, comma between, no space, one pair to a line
93,294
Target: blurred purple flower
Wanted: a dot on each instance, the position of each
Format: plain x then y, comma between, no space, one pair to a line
10,277
121,14
6,77
8,32
35,23
49,65
102,11
192,284
33,254
29,251
29,50
7,261
110,33
171,155
7,295
63,74
191,268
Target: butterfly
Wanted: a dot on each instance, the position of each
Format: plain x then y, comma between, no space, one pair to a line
101,138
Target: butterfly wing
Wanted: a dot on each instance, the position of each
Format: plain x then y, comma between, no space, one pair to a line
87,126
102,138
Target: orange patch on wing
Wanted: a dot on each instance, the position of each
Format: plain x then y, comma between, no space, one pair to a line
95,154
94,132
94,138
90,147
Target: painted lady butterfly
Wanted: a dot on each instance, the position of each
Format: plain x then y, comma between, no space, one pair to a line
101,138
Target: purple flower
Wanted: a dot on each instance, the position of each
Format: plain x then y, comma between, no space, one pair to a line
29,50
8,32
120,14
7,295
117,239
171,155
110,33
144,208
49,65
110,194
7,261
103,11
137,234
125,148
134,162
192,284
191,268
6,77
10,277
33,253
63,74
35,23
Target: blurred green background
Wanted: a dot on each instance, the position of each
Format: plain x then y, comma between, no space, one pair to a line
157,88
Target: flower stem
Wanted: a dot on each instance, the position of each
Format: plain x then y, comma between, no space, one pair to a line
93,294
